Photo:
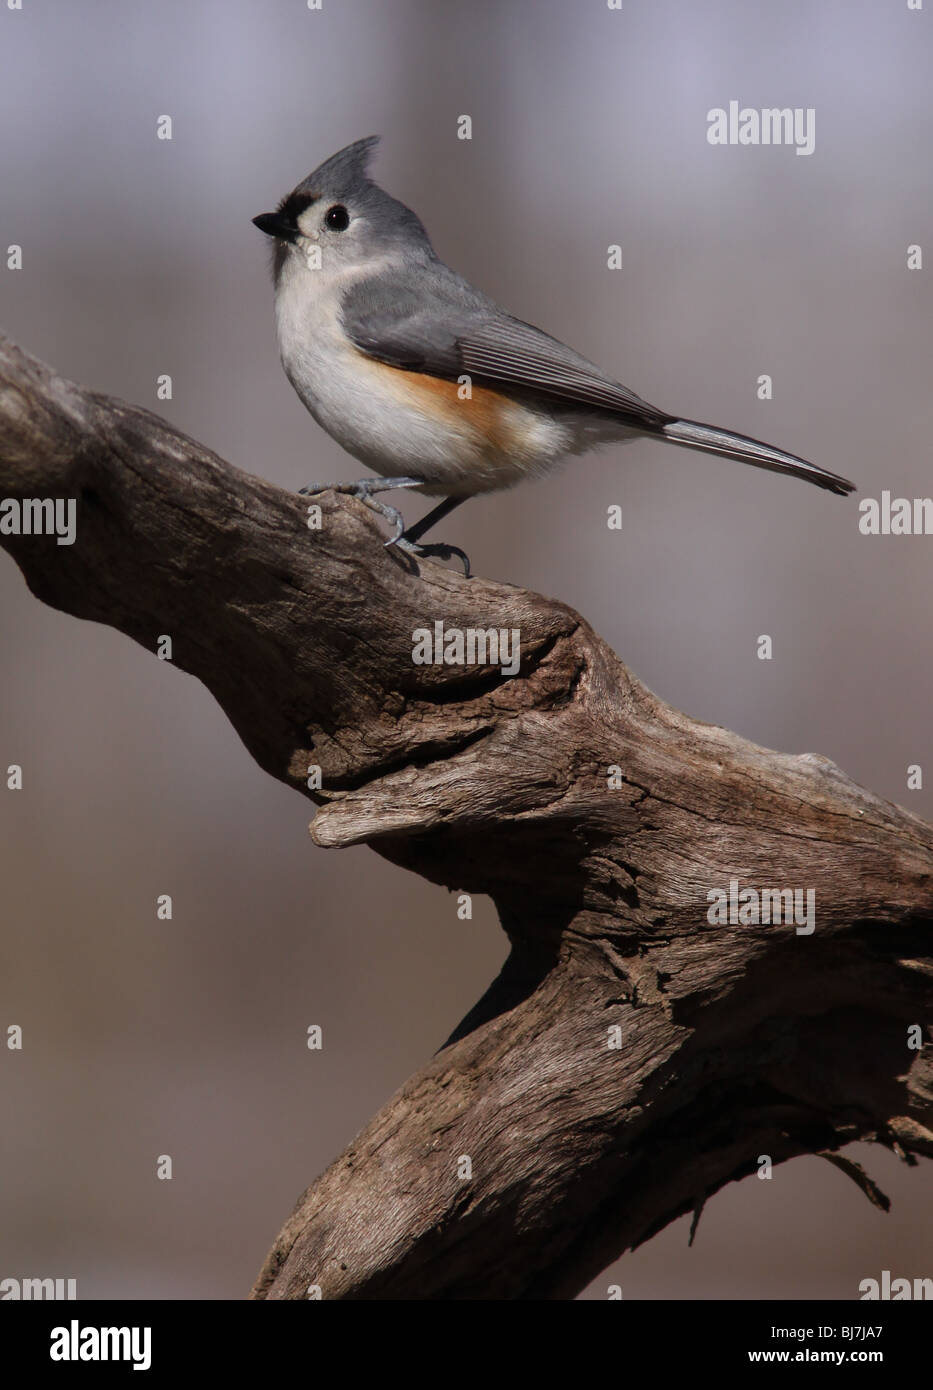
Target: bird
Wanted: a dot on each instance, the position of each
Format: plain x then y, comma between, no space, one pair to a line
426,380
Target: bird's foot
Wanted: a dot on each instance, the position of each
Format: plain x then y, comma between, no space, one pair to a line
364,491
441,552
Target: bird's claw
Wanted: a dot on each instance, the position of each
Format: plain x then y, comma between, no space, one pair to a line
438,551
363,492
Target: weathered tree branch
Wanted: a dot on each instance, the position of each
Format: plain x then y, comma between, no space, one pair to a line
736,1040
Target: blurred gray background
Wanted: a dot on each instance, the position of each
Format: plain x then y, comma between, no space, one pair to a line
589,128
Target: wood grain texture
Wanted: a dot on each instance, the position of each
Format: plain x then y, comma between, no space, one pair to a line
737,1040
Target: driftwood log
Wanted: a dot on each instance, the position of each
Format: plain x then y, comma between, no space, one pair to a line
731,1041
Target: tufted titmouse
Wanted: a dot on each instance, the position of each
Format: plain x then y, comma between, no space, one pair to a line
425,379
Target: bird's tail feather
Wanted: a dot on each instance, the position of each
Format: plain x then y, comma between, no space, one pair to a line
693,435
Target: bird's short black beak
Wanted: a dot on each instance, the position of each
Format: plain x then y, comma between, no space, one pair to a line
274,224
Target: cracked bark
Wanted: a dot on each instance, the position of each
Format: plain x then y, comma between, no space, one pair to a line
736,1041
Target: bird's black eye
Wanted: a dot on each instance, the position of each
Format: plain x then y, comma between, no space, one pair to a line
337,218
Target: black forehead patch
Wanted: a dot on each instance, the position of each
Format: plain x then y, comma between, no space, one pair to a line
295,204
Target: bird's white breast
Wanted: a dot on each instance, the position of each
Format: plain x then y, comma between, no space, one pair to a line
400,423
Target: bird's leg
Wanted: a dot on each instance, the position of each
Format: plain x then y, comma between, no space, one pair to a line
436,514
406,541
364,490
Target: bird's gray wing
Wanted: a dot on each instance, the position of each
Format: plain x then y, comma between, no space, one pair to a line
427,319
